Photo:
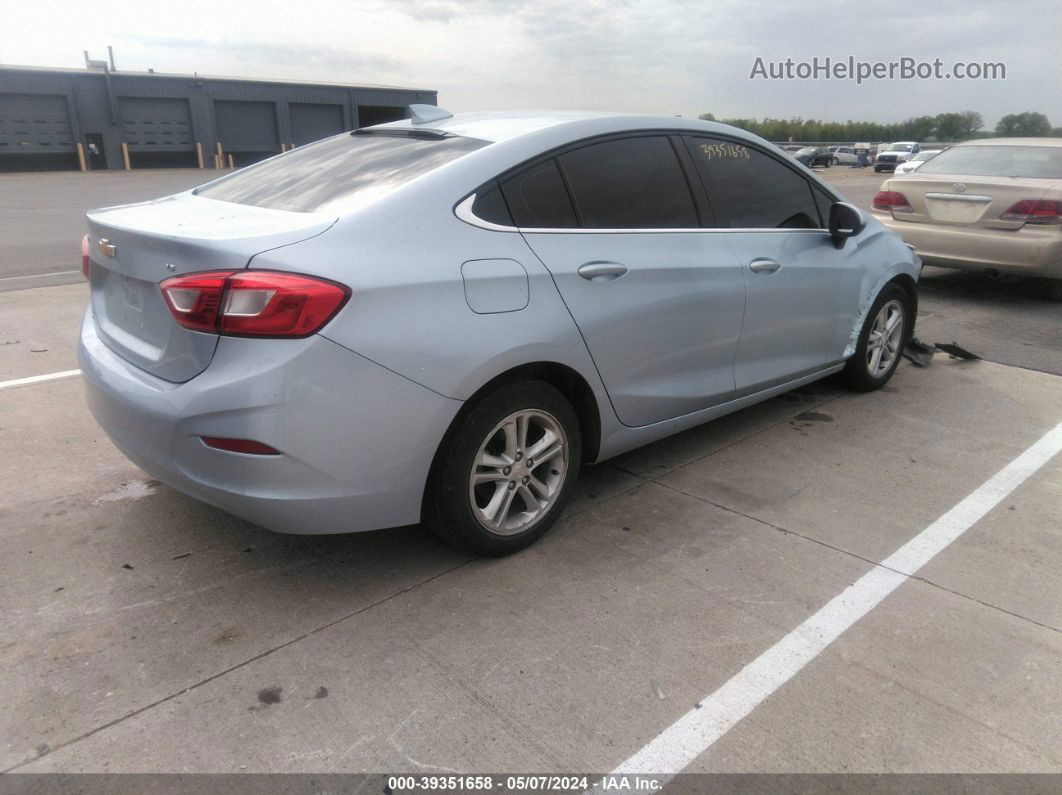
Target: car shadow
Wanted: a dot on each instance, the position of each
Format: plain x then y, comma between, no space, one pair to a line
947,284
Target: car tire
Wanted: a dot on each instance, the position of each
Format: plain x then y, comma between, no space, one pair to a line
877,170
865,370
482,465
1054,290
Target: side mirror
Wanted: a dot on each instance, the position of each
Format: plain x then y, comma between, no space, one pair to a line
845,222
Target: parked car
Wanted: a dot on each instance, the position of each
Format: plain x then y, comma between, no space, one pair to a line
992,205
894,154
914,162
442,319
812,156
842,155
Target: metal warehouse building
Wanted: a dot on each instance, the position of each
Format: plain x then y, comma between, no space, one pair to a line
99,118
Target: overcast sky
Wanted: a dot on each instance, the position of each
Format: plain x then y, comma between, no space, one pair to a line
654,56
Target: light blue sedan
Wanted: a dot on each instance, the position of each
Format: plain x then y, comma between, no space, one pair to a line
441,319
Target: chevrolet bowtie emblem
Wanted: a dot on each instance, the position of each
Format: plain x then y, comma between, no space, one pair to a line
107,248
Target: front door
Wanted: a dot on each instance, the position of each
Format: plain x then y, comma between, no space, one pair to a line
658,300
802,292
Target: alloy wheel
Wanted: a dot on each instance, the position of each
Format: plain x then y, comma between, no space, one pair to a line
885,339
518,472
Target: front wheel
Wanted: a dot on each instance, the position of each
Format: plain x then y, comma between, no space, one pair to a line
506,469
885,331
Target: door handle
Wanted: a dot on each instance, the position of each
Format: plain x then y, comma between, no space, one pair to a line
764,265
602,271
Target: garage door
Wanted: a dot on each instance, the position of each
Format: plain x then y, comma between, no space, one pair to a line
151,124
34,124
247,126
312,122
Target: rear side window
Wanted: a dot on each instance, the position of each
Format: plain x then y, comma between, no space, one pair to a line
998,160
630,183
750,190
353,167
490,205
538,199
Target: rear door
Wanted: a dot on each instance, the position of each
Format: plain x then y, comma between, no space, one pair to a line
802,291
658,299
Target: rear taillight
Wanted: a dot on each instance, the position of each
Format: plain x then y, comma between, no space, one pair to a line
1035,211
253,303
195,300
85,256
892,200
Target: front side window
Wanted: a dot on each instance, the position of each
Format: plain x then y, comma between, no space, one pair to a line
751,190
630,183
350,168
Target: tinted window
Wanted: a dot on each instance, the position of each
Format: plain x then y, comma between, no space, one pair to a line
631,183
345,167
749,190
490,206
1036,162
537,198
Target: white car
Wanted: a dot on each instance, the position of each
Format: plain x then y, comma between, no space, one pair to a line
916,161
894,154
843,155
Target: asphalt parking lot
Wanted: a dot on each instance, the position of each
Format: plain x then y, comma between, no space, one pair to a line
826,582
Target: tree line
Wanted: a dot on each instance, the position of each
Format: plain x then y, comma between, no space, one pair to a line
959,126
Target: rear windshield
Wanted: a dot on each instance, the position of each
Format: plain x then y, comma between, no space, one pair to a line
352,168
1034,162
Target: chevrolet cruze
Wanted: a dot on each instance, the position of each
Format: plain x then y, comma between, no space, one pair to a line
441,319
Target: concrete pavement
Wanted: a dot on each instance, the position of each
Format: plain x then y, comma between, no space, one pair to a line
147,632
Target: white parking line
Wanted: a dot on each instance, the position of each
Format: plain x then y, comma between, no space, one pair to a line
38,275
692,734
36,379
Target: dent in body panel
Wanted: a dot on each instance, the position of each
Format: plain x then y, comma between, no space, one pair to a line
874,280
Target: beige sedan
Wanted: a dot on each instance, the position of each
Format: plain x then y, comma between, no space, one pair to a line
993,205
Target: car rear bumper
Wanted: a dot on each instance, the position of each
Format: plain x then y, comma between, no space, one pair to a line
1034,250
356,440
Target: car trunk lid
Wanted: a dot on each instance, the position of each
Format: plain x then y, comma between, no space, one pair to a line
135,247
964,201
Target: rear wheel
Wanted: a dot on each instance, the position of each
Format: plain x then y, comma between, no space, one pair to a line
506,470
1054,290
881,341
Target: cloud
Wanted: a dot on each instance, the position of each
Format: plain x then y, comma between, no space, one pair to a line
278,54
658,56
